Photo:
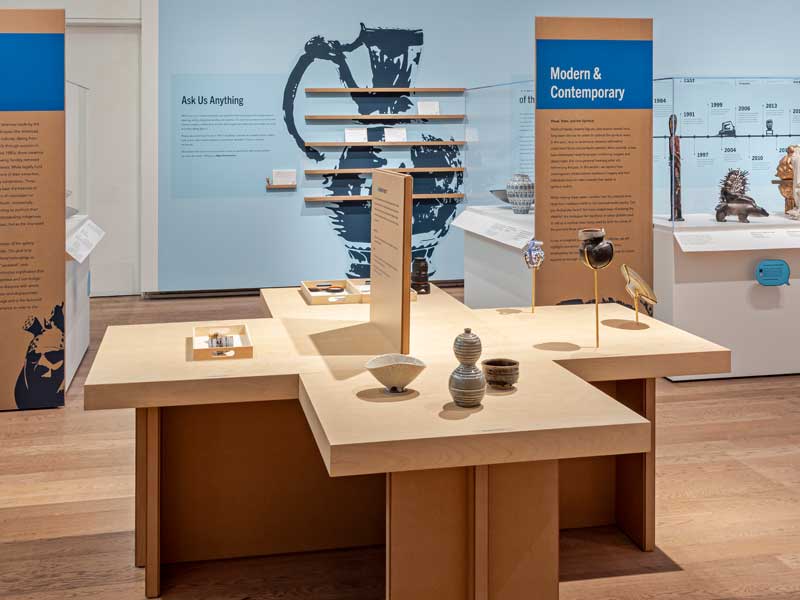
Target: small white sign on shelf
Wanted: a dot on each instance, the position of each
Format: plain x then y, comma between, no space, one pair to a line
395,134
354,135
284,177
428,107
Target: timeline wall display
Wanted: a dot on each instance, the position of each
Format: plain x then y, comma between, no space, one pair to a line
593,149
32,209
723,123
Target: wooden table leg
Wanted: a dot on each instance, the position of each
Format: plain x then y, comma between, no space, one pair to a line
428,531
153,517
478,533
141,488
523,531
636,473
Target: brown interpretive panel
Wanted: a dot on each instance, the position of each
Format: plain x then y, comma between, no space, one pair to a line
32,210
390,307
594,155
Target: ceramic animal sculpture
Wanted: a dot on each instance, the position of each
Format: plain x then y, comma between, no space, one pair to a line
733,198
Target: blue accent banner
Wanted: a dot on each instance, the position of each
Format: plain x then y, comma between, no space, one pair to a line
594,74
32,71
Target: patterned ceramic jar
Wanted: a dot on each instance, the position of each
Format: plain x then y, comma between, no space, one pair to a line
534,254
521,195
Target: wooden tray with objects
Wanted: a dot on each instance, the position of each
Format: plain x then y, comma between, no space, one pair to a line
328,291
362,287
221,342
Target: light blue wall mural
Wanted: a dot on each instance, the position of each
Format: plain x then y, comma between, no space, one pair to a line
232,79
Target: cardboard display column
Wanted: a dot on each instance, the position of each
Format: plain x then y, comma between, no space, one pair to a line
593,150
32,209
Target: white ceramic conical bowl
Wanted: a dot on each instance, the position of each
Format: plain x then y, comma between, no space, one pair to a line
395,371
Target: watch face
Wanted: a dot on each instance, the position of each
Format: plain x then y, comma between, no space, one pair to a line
534,254
635,285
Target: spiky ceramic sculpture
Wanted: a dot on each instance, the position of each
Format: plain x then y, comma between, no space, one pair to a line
733,198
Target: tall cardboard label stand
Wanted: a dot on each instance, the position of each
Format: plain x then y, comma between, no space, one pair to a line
390,291
594,150
32,209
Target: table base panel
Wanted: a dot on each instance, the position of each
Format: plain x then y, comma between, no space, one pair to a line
235,480
477,533
614,490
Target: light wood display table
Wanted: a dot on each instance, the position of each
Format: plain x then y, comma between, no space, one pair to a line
298,449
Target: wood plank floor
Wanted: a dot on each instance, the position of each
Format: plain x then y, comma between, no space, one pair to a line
728,501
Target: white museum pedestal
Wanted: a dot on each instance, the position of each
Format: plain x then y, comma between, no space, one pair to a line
82,237
704,276
495,274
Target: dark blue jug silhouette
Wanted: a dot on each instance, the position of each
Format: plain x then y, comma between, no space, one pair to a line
394,56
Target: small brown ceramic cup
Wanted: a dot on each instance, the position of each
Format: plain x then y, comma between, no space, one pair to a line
501,373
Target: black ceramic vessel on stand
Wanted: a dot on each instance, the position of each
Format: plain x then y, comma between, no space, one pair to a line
419,276
596,252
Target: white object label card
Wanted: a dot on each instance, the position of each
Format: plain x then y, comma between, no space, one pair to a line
732,240
284,177
428,107
83,240
508,234
395,134
353,135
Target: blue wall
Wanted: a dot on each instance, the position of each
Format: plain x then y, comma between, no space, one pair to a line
219,228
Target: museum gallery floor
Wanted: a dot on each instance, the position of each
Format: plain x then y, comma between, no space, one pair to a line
727,511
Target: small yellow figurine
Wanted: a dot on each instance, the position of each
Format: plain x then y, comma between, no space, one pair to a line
788,175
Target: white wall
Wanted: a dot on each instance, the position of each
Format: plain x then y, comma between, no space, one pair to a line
732,38
106,60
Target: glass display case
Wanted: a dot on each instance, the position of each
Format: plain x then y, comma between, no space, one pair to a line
499,158
77,100
711,133
500,137
77,208
722,223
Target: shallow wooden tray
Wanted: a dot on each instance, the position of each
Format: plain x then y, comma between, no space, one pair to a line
242,343
316,298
